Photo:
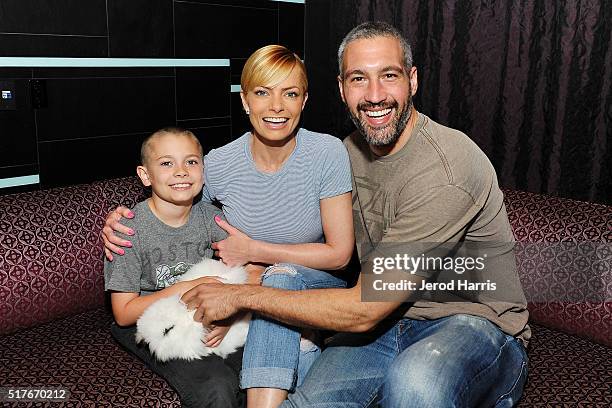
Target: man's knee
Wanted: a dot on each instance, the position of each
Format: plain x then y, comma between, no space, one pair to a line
412,383
282,276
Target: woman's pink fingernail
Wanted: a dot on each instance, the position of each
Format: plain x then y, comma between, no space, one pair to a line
128,244
131,214
121,252
131,232
217,218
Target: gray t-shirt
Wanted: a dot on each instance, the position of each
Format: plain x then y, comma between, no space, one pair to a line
161,253
440,189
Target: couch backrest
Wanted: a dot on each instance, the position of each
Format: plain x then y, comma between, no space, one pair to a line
51,252
51,263
564,257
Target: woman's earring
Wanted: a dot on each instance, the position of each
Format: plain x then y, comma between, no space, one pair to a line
247,111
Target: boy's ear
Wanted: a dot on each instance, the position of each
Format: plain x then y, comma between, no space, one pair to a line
143,175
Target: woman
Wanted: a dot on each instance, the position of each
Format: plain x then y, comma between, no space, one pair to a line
287,194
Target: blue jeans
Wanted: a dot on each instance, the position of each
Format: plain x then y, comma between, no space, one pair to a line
272,356
456,361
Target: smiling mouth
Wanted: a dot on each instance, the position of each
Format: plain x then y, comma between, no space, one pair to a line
275,120
180,186
377,113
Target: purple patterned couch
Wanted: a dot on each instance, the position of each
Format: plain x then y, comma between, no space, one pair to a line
54,318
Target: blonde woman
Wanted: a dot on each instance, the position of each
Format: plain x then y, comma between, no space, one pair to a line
286,193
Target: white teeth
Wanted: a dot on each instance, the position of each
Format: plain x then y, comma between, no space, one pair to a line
377,114
182,185
276,120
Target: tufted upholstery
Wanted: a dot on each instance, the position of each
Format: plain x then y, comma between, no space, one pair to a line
50,250
566,371
564,256
80,355
55,327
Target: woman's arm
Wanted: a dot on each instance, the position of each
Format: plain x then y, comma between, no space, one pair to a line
335,253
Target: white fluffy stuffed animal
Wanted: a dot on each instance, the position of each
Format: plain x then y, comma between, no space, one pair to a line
170,331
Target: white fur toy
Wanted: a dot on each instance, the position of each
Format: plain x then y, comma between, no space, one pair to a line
170,331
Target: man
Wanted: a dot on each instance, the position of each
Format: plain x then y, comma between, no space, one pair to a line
419,190
414,181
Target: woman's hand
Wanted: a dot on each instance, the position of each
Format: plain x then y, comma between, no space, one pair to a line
235,250
112,243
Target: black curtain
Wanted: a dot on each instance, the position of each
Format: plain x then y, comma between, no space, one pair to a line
529,81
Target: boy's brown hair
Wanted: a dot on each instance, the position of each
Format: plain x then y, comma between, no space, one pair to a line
173,130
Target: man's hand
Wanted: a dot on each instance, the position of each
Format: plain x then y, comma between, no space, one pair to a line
112,242
235,249
213,301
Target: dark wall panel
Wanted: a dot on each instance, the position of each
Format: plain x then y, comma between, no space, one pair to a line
240,120
94,119
81,161
17,171
88,107
213,137
291,27
220,31
76,17
18,133
141,28
202,92
21,45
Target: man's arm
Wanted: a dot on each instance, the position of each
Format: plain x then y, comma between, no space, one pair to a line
128,306
330,309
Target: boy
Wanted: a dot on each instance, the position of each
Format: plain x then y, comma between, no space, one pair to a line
171,238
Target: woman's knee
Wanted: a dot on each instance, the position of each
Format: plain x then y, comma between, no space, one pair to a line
282,276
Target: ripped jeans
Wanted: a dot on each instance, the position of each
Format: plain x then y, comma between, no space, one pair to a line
272,357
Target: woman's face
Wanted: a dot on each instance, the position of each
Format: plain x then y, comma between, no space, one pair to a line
275,112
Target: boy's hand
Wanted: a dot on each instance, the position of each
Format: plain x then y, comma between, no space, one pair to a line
217,334
112,242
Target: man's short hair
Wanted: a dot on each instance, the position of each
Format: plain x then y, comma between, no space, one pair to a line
271,65
172,130
373,29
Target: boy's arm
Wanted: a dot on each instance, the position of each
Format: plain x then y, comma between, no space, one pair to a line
129,306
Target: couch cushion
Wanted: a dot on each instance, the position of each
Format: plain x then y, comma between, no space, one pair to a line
79,354
567,371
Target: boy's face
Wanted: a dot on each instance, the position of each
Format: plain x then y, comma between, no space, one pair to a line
173,168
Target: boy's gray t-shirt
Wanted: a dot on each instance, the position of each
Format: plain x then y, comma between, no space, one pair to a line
161,253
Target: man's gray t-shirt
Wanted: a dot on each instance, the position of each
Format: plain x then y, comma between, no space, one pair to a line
161,253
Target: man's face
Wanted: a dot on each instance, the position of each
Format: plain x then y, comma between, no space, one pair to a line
377,89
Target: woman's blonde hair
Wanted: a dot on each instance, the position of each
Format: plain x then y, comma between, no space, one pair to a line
271,65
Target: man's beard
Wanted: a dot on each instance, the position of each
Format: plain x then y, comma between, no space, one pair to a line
388,134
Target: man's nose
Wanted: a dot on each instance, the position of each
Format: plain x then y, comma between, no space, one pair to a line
375,92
